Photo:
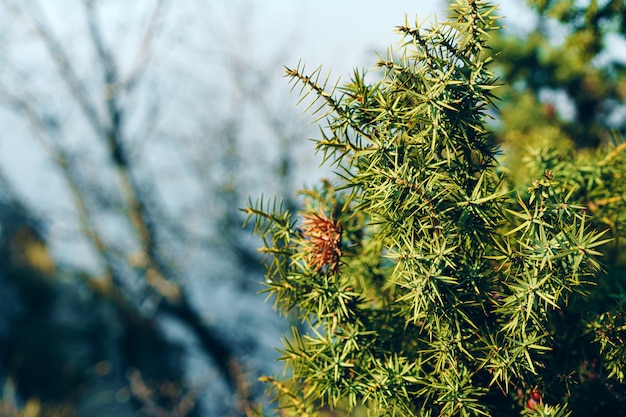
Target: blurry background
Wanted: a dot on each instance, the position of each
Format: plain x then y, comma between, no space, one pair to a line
131,134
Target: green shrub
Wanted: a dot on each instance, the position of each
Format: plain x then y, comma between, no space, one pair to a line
427,282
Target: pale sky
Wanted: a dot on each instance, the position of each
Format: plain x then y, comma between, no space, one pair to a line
343,34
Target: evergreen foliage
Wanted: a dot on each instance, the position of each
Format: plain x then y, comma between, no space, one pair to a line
569,51
426,280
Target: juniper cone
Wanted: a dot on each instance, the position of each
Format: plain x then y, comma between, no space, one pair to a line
427,280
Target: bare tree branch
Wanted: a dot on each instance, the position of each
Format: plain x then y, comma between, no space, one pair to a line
42,132
144,51
113,134
62,61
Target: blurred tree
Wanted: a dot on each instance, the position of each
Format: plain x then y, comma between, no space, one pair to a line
567,74
153,191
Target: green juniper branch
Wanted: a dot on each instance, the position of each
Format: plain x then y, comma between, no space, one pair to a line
425,286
